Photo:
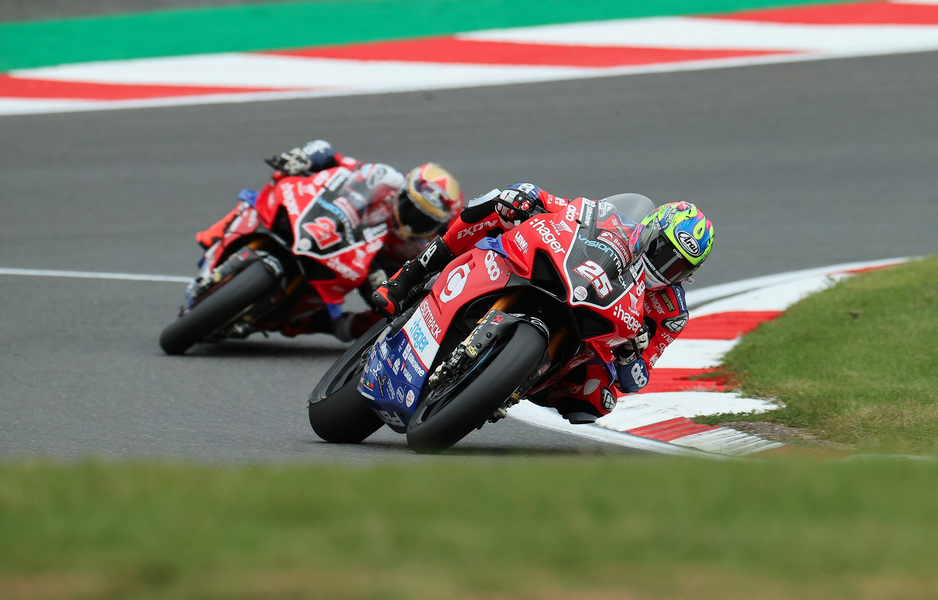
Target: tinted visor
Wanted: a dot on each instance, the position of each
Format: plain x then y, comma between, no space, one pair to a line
410,215
666,262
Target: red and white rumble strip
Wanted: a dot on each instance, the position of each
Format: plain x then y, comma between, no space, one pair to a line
659,418
495,57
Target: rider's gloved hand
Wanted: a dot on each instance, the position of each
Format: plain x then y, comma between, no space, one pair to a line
293,162
632,350
515,206
631,371
321,155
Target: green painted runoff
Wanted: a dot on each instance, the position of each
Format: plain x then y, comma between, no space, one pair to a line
293,25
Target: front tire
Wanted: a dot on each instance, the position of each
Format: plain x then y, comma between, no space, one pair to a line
218,309
478,396
337,412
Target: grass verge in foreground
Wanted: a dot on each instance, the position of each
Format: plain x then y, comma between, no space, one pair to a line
855,364
530,528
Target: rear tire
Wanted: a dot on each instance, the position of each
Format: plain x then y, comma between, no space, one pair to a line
479,398
218,309
337,412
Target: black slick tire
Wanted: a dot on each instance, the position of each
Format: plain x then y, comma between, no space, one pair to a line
218,309
337,412
479,398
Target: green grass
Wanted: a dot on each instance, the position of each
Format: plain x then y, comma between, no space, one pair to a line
586,528
856,364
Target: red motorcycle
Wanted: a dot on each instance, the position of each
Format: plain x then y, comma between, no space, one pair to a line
506,321
294,248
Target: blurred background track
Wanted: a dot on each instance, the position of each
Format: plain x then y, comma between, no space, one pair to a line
799,165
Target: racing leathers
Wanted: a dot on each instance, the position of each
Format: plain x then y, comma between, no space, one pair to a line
296,173
585,392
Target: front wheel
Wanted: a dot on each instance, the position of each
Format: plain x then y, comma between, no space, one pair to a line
452,411
220,308
337,412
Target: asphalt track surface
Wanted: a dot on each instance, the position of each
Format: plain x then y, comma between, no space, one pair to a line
799,165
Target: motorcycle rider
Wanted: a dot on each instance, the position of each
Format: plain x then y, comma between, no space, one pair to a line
673,242
415,206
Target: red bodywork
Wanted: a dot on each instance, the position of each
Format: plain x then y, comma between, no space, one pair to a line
480,272
342,233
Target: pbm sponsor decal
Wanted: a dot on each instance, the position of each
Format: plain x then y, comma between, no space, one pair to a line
547,236
521,242
409,399
579,292
455,282
688,242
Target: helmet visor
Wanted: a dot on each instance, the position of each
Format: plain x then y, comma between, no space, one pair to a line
666,263
414,219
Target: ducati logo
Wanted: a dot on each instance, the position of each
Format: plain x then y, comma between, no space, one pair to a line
561,226
634,304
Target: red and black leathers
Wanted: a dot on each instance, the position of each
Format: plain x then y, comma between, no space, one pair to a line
587,387
367,195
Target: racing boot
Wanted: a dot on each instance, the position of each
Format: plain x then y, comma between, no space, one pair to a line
393,293
207,238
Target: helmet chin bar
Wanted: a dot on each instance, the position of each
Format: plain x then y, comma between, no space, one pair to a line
652,281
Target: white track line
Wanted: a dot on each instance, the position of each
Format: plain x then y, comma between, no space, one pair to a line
95,275
646,409
289,73
548,418
15,106
697,33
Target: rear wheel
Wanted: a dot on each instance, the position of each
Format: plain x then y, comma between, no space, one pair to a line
220,308
337,412
450,412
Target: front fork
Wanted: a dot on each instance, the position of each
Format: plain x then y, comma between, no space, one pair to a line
234,264
489,329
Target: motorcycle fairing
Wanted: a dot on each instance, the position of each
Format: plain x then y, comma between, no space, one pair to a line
246,223
400,364
583,232
333,222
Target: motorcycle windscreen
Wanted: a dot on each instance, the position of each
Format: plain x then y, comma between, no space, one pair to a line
596,269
